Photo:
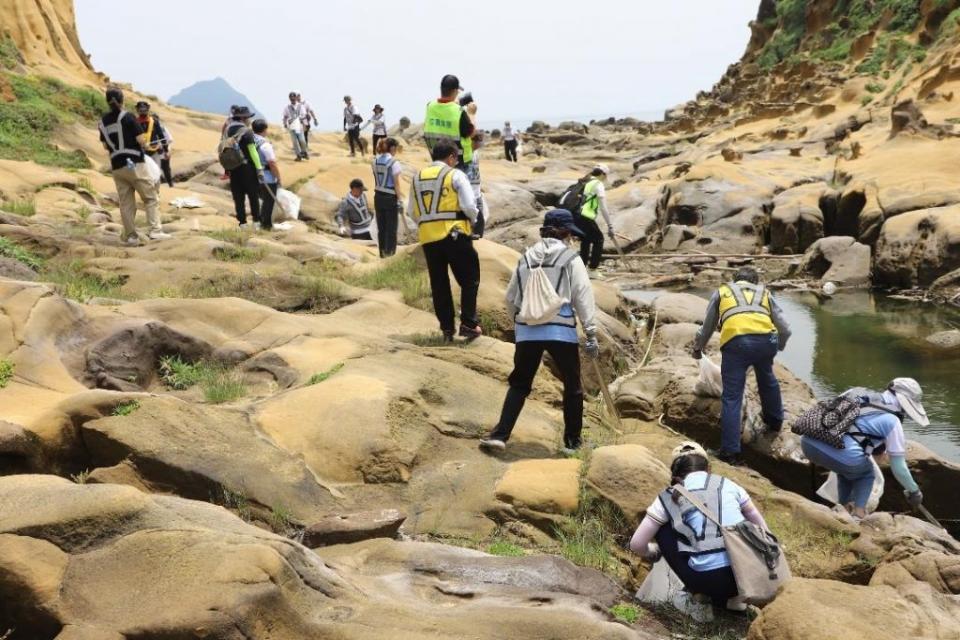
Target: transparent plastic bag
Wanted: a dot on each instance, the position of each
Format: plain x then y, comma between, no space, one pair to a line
709,382
829,491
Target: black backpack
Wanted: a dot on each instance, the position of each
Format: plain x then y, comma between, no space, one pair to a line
573,199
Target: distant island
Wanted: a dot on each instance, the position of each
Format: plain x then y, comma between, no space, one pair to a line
214,96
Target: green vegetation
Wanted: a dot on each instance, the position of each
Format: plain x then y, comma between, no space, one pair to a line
235,236
626,613
9,54
587,537
321,377
125,408
40,106
24,207
865,100
506,549
233,253
434,339
6,372
401,274
10,249
71,281
875,87
892,50
726,626
84,184
809,548
281,520
235,501
219,383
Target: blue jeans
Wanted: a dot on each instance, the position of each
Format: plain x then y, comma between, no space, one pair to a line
853,468
299,143
739,354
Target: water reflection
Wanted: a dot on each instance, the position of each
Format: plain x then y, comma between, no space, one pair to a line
860,339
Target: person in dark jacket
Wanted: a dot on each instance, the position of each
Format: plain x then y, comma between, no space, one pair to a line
158,138
246,179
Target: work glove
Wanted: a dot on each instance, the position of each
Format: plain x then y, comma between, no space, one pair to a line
262,179
342,231
591,347
696,353
914,498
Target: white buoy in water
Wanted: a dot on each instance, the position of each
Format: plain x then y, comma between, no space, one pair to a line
829,288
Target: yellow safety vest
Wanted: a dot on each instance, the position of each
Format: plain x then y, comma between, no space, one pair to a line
591,203
437,215
744,310
442,123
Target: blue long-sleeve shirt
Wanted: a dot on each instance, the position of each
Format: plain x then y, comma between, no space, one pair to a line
711,322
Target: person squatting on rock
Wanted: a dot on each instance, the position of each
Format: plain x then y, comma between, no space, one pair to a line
877,430
690,543
246,179
444,210
387,194
379,127
510,142
158,139
594,201
752,330
557,335
271,174
122,137
351,124
354,217
294,115
446,121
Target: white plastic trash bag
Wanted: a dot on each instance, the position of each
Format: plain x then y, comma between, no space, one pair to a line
829,490
288,206
374,232
149,170
709,382
662,585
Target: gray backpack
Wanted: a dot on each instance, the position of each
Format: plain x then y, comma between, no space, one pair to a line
229,153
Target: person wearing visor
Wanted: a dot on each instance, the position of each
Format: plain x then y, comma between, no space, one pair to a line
555,333
877,430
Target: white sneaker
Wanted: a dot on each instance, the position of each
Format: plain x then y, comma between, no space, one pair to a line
493,443
158,235
256,226
133,241
244,226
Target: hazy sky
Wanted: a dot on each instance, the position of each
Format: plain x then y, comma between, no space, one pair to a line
522,59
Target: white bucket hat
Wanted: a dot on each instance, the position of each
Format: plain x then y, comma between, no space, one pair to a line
688,448
909,394
602,167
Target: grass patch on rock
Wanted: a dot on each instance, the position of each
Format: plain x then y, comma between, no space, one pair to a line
401,273
809,549
125,408
627,613
234,253
219,383
317,378
505,549
6,372
70,280
10,249
283,292
21,207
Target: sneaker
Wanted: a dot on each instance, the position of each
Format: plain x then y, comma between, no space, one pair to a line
244,225
470,333
493,444
737,604
256,226
133,241
298,159
158,235
569,451
448,336
306,156
732,459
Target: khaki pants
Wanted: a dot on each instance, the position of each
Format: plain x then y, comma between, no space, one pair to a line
129,183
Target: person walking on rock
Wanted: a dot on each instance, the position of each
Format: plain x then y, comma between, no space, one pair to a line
308,117
444,210
752,331
692,544
158,139
271,174
379,127
246,179
594,201
878,429
354,217
510,142
446,121
123,138
293,116
387,195
553,332
351,124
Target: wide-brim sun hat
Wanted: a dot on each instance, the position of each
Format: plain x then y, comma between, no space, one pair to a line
688,448
909,395
243,112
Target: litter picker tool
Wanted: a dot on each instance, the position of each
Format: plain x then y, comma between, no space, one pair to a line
608,399
929,516
273,195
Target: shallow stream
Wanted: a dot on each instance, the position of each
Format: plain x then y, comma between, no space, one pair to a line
862,339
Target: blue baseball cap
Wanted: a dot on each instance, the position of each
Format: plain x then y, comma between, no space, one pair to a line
562,219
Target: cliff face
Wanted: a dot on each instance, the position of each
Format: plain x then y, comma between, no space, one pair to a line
45,34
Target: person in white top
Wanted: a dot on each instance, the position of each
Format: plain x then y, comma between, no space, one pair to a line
293,115
379,127
351,124
308,115
510,142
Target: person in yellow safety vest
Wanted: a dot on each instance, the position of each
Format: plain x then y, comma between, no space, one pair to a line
594,201
443,210
752,330
447,121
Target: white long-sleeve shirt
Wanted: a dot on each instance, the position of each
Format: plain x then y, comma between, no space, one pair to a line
349,112
461,184
379,125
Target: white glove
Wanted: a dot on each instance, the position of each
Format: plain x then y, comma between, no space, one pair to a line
342,231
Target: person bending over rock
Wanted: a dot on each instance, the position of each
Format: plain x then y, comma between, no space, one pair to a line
752,330
878,429
690,543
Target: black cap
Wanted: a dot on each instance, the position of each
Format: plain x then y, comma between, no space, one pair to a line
259,125
562,219
242,113
143,105
357,183
114,95
449,83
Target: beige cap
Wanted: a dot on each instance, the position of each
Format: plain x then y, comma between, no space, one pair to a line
688,448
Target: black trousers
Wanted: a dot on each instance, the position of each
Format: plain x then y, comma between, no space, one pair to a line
510,150
306,134
376,139
388,215
244,186
353,134
526,362
457,254
591,246
268,196
361,236
719,584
